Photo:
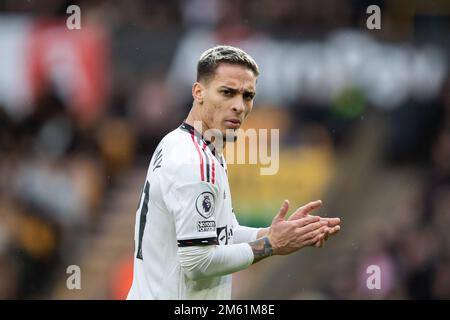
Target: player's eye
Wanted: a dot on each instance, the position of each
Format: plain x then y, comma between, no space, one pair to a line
249,96
226,92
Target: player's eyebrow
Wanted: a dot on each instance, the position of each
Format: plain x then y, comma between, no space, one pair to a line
234,90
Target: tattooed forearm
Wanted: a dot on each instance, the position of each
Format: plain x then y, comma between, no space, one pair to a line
261,249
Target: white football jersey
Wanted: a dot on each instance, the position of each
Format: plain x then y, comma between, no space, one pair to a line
185,201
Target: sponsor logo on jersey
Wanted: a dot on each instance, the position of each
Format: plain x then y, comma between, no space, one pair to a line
205,226
224,234
205,204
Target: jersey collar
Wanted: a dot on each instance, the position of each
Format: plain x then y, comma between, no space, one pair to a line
191,130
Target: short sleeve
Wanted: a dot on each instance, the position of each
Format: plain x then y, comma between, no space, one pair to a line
193,207
188,197
188,193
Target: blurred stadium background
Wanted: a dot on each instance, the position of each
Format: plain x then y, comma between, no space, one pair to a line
364,119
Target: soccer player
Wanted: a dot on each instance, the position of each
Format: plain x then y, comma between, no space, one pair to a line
187,239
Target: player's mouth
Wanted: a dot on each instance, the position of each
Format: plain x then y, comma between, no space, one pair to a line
233,123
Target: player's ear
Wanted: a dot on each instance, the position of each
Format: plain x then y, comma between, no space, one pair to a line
197,92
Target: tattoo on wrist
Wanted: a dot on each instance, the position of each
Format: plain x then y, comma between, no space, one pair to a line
261,249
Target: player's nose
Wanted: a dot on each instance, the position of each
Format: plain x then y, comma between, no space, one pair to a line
238,106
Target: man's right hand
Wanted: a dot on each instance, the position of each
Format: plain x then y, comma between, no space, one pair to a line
287,236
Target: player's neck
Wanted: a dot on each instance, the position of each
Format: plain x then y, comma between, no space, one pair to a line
194,119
